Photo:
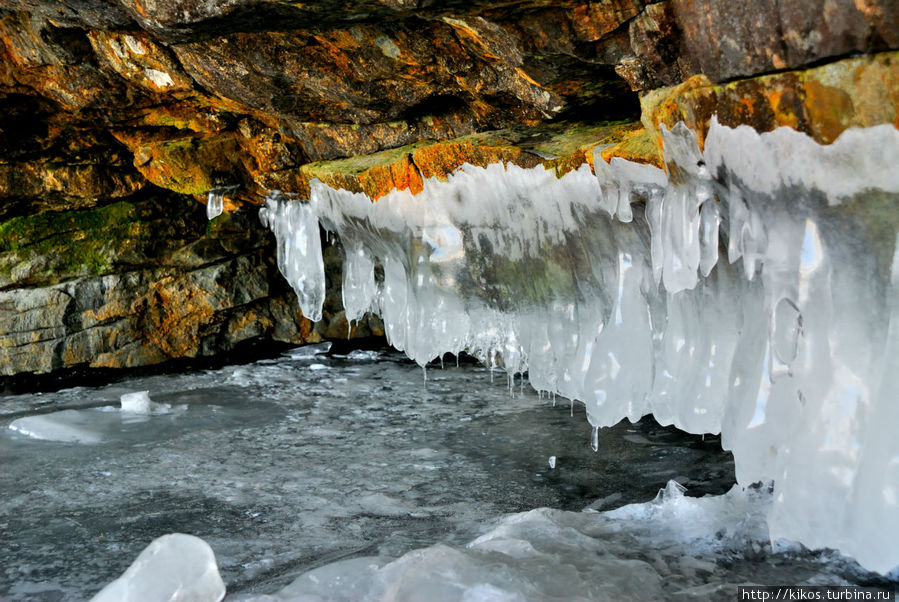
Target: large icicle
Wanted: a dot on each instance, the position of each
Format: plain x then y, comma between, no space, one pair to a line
299,251
608,289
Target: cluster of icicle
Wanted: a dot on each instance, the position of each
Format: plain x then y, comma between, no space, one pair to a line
608,288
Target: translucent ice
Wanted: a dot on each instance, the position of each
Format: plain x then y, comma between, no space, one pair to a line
299,252
67,426
172,567
606,286
215,202
359,288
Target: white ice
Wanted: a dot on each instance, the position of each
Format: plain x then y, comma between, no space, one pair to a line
139,402
93,425
173,567
610,289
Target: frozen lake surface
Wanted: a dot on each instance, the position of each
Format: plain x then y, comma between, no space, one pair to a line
291,465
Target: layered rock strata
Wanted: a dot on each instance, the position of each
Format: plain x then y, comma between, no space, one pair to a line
119,117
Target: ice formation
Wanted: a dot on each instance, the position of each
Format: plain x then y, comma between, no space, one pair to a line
92,425
172,567
299,251
139,402
549,554
610,289
66,426
215,204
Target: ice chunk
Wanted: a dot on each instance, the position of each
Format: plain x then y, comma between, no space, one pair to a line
344,580
139,402
363,355
172,567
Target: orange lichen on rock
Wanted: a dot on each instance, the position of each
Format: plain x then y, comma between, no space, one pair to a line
561,148
639,146
822,101
441,159
190,164
591,21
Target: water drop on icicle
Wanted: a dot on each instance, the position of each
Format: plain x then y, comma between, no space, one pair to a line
594,441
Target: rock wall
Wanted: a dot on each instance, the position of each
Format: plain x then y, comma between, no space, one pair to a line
144,280
117,117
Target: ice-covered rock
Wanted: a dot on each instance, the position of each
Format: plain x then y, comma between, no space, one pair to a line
173,567
611,289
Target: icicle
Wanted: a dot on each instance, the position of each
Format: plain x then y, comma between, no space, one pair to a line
594,440
631,312
552,462
299,251
215,204
492,364
359,289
